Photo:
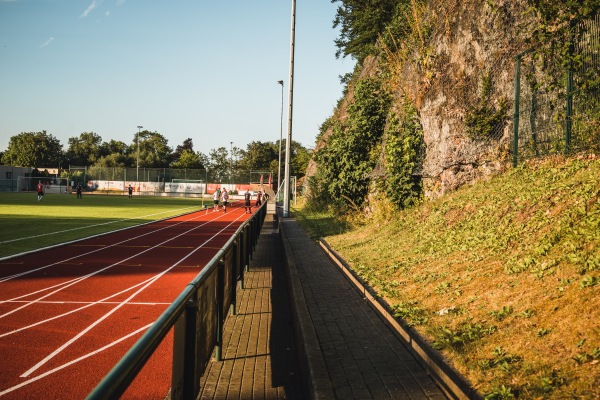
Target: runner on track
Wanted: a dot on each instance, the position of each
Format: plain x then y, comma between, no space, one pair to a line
216,200
247,205
225,198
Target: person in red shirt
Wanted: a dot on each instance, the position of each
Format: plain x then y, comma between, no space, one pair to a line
40,190
258,199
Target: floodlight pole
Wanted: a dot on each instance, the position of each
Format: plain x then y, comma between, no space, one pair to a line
288,143
137,172
280,140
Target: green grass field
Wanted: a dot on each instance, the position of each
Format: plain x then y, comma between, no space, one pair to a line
26,224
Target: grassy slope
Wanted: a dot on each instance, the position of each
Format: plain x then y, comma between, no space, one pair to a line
503,277
27,224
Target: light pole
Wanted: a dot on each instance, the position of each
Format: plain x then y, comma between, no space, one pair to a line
230,163
137,171
280,140
288,144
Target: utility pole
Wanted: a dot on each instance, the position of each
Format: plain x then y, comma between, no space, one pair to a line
288,144
137,172
280,141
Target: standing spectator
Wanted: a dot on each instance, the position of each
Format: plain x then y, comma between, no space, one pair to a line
79,195
258,199
225,199
247,205
130,191
216,200
40,190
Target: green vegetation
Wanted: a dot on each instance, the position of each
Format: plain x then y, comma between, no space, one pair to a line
484,120
28,224
404,150
352,149
363,23
501,276
148,150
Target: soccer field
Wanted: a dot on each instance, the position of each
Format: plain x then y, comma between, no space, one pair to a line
26,224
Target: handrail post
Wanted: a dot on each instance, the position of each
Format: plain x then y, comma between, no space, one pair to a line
234,274
242,255
220,306
184,366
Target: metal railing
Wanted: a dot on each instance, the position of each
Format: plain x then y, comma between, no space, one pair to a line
197,316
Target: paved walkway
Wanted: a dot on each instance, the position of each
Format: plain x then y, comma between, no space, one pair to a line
345,349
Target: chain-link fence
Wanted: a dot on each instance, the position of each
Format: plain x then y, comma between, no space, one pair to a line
142,174
556,104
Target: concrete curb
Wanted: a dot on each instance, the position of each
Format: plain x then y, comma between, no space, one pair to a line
453,385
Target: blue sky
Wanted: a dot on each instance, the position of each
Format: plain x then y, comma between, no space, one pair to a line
204,69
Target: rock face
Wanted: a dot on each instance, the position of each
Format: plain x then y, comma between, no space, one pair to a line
471,41
479,42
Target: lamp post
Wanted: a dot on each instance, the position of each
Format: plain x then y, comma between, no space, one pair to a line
288,144
280,140
230,163
137,172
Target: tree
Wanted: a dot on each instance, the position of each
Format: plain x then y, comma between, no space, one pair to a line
299,159
360,23
113,147
187,144
219,164
33,149
85,149
351,153
258,156
188,159
111,160
154,151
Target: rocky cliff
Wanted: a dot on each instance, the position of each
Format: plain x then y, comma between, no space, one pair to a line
461,61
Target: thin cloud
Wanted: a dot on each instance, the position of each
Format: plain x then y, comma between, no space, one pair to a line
120,2
46,43
89,9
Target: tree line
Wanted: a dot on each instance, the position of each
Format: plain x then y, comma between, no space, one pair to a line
147,150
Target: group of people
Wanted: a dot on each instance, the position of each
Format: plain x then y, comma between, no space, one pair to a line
41,190
223,196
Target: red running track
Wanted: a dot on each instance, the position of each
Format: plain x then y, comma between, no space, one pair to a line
68,315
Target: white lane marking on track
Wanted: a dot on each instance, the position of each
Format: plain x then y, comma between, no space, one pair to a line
132,303
152,280
97,250
90,226
72,282
101,349
88,304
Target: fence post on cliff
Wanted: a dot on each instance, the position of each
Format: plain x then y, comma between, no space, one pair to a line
515,152
569,105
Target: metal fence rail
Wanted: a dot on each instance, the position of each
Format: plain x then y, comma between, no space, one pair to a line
197,316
